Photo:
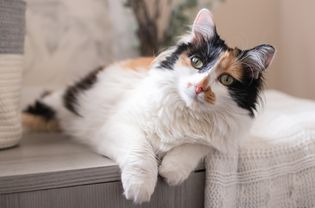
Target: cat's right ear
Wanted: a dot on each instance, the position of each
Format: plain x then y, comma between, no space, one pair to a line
204,25
259,58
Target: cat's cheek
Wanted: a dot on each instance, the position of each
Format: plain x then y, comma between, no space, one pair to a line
187,99
185,90
223,97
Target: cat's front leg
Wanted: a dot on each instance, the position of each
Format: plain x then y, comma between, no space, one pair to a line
179,162
127,145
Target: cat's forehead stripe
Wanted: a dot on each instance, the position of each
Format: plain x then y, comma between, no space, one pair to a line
228,63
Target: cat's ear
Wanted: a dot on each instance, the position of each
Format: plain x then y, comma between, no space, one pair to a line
204,24
259,58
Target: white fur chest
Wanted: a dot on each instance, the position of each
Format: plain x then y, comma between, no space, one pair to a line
172,125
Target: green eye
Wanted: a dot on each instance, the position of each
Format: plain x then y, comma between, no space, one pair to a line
196,62
226,79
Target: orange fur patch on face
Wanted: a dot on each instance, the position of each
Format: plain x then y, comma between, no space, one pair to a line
209,96
203,83
138,63
185,60
229,64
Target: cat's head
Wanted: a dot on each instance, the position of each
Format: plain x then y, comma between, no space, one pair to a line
211,75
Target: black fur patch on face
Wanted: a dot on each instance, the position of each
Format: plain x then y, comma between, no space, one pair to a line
207,50
246,92
70,97
41,109
169,61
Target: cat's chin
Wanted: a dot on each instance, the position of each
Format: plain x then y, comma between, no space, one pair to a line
197,106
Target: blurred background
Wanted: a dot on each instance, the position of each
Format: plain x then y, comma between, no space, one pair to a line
67,38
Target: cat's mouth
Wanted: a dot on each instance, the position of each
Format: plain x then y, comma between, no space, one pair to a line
198,98
196,101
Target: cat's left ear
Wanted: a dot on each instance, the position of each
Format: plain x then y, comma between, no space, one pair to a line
204,24
259,58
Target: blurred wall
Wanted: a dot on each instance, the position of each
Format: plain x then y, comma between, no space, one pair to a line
288,25
65,38
297,45
248,23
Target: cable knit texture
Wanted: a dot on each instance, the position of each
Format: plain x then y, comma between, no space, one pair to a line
275,165
11,50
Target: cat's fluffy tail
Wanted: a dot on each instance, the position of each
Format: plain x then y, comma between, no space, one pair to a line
59,107
42,114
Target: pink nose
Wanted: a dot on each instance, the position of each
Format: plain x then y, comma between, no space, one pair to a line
198,89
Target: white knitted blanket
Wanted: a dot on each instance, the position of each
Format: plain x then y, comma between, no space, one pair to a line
275,166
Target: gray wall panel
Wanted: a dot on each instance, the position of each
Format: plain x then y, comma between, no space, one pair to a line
12,26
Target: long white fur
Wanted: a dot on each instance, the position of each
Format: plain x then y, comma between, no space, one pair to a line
132,116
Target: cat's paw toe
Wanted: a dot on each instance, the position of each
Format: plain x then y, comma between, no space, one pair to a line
139,193
173,173
138,189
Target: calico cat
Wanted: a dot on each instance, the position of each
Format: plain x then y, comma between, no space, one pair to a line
199,94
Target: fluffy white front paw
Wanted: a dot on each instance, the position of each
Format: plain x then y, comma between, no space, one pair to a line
173,172
138,188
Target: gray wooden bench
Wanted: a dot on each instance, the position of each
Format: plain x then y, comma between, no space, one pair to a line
50,170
